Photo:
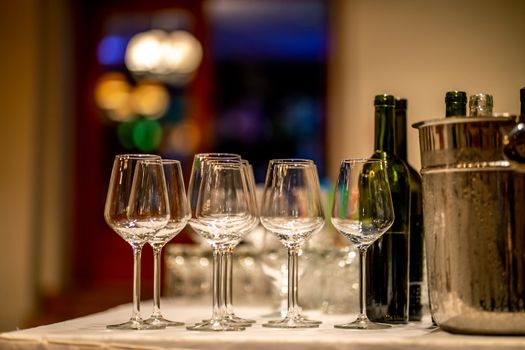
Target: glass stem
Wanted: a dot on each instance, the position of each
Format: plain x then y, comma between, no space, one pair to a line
156,281
229,280
362,283
137,252
217,283
223,282
293,276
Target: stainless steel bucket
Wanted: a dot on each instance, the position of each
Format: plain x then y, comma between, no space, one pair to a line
474,220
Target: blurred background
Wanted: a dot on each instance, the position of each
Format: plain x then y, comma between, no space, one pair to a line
84,80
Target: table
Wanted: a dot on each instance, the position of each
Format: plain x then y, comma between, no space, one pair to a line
89,332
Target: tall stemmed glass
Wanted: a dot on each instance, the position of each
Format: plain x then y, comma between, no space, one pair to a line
292,210
179,216
228,264
196,179
222,211
136,207
193,194
362,212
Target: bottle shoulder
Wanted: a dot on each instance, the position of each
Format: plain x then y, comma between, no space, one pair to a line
394,163
415,177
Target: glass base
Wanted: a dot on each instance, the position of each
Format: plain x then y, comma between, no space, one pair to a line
236,319
300,318
135,324
362,322
292,322
159,320
231,321
293,319
221,325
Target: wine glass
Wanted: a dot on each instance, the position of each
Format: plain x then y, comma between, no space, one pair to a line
179,216
228,266
362,212
292,210
193,193
136,206
222,211
196,179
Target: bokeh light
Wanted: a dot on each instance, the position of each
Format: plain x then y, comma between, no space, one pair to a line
111,50
172,58
147,135
112,94
144,51
150,99
122,102
183,52
184,138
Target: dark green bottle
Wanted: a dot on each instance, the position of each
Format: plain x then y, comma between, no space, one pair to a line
387,258
521,117
522,101
456,104
416,261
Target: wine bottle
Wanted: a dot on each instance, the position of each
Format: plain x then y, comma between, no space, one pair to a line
456,104
416,241
480,105
387,258
522,102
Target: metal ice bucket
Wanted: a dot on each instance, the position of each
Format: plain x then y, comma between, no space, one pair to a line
474,220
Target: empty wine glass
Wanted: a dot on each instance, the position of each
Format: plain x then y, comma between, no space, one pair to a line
179,216
221,213
228,265
136,206
362,212
196,179
193,192
292,210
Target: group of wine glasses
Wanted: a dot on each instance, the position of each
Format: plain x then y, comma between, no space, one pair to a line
146,203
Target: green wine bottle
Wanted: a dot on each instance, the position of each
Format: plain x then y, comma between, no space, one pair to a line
456,104
387,259
522,102
416,216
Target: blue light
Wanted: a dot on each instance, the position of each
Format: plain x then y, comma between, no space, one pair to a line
111,50
288,30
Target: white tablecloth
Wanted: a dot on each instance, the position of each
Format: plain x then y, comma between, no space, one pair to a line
90,333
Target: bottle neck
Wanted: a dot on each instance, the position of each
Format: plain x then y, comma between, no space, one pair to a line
401,133
456,109
480,105
384,129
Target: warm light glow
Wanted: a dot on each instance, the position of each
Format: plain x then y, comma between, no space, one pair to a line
122,102
144,51
169,57
184,138
112,94
183,52
150,99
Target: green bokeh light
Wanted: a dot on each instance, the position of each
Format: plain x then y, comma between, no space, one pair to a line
147,135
